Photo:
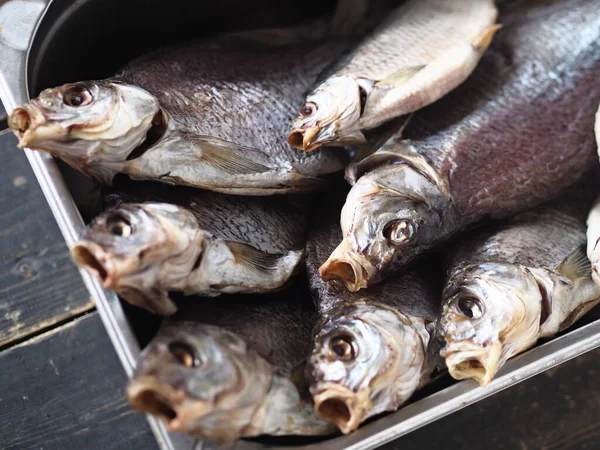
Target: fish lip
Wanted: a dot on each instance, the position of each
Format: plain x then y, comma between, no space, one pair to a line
150,395
339,405
29,124
94,259
304,138
466,360
348,266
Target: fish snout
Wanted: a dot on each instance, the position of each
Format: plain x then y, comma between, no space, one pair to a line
152,396
305,138
339,405
470,361
352,268
94,259
25,121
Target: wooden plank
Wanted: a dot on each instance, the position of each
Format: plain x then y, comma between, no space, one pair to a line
556,410
39,285
65,390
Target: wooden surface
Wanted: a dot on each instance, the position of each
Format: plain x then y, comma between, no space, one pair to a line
39,286
64,390
61,384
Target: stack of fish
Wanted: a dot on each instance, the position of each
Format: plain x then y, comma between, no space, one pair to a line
457,242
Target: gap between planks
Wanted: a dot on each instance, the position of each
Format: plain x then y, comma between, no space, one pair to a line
48,328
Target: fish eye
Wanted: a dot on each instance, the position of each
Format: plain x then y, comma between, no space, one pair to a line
184,354
399,231
77,96
342,348
118,226
308,109
470,307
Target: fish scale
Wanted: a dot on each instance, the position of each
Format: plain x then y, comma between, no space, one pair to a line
377,57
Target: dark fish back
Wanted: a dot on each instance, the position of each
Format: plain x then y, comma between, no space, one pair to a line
521,128
277,326
271,224
240,90
541,237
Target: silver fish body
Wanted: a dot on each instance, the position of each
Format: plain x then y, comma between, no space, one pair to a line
211,114
156,239
515,282
224,373
515,134
370,349
593,221
422,51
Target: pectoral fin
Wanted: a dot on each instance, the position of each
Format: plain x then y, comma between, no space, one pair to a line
400,77
255,259
228,157
576,266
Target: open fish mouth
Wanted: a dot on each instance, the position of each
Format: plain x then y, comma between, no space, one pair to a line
304,138
341,406
30,126
348,266
149,395
91,257
478,363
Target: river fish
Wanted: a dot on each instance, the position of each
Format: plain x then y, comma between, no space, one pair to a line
516,134
211,114
370,349
224,373
156,239
421,52
593,221
515,282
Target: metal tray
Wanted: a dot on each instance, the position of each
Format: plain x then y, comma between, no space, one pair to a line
30,28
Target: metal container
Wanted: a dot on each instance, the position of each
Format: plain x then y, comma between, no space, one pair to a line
45,43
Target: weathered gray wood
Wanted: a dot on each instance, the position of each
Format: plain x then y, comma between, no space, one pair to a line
39,285
65,390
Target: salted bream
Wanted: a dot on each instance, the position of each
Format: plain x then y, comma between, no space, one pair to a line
224,373
154,240
515,282
514,135
419,53
212,114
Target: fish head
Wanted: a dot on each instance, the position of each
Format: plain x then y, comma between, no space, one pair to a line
201,380
330,116
135,249
490,312
367,359
80,120
383,226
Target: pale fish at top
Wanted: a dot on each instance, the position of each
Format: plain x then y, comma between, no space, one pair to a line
422,51
372,350
515,134
224,373
513,283
593,221
212,114
156,239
